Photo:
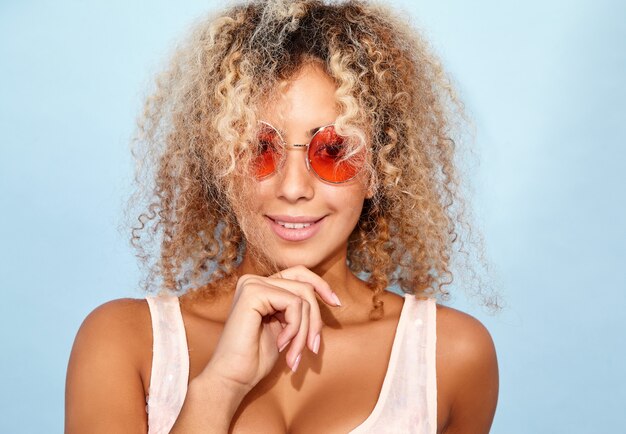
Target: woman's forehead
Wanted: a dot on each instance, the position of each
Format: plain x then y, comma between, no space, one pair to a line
305,102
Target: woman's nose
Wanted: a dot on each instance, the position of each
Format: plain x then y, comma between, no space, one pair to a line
295,182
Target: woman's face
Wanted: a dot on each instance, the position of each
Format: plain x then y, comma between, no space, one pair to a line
305,221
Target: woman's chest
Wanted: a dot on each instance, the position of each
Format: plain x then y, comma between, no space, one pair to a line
332,392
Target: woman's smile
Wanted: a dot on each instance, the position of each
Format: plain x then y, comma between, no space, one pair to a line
295,228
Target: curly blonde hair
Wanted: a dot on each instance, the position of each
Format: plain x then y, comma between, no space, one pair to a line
194,136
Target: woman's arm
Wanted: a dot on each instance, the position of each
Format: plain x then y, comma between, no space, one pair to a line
104,390
467,357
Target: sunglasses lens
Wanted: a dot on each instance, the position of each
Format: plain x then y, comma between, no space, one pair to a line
267,153
327,155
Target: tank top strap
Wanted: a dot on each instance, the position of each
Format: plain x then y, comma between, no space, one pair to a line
413,403
421,353
170,363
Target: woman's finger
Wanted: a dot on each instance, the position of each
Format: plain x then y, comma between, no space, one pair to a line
302,274
267,299
299,341
291,307
306,291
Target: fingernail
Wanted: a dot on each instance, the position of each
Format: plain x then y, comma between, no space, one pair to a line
316,344
280,350
335,299
296,363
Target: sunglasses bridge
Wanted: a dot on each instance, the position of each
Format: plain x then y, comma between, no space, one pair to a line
305,147
298,147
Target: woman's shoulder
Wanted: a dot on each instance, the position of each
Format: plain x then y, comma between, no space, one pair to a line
118,316
116,330
463,343
460,336
467,369
460,332
108,359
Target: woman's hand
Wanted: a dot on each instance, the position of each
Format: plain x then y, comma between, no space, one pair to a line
267,314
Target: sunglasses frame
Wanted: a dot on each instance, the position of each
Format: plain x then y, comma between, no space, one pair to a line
305,147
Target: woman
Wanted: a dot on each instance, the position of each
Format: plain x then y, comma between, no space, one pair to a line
302,163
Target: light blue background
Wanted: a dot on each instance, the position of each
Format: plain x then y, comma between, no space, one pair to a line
544,82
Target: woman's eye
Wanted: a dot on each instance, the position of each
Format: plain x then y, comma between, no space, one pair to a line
331,150
265,142
263,146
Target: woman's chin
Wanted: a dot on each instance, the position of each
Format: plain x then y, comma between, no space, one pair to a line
291,262
269,264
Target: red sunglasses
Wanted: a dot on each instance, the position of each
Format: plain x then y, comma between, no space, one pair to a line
325,154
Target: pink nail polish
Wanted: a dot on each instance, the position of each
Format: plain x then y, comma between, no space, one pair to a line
296,363
280,350
316,344
336,299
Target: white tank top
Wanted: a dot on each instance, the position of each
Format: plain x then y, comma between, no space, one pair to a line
407,401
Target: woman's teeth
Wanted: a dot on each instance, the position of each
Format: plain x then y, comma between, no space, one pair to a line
294,225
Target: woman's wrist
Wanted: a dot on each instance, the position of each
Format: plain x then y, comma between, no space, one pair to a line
209,382
210,405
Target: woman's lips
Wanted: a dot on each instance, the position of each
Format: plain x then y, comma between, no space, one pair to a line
297,233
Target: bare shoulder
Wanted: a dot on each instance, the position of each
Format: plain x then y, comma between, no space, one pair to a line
467,372
126,310
104,386
116,329
460,334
